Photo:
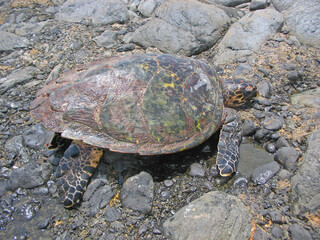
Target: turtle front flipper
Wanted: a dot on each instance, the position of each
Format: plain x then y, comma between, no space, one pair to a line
74,171
229,143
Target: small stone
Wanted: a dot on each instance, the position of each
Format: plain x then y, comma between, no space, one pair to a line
45,223
97,196
196,170
126,47
276,232
137,192
284,174
265,71
293,76
276,217
259,234
288,66
270,147
298,232
258,4
168,183
112,214
262,135
157,231
281,142
241,182
263,173
107,39
249,128
272,124
288,157
165,195
265,89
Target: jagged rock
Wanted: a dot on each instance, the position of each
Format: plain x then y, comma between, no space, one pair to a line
10,41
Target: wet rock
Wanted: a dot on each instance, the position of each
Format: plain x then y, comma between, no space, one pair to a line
196,170
265,89
29,176
205,218
248,128
265,172
258,4
107,39
288,157
241,182
298,232
305,184
271,148
112,214
93,12
97,196
137,192
183,29
37,137
168,183
247,35
10,41
303,20
262,135
19,76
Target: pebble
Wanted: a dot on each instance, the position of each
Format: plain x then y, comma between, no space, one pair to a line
265,89
298,232
276,217
196,170
260,234
281,142
168,182
112,214
288,157
262,135
263,173
270,148
37,137
276,232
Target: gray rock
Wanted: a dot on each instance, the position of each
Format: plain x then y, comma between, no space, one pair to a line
303,20
259,234
14,144
248,128
37,137
24,29
54,73
229,3
281,142
305,184
19,76
282,5
112,214
284,174
93,12
272,123
147,7
196,170
258,4
276,217
247,35
262,135
276,232
107,39
97,196
29,176
299,233
265,172
137,192
183,29
288,157
265,89
309,98
10,41
215,215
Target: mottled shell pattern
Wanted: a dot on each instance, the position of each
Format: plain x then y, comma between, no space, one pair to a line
147,104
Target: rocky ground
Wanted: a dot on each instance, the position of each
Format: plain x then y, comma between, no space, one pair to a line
276,193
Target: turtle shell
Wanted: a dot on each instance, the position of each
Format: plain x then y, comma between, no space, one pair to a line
147,104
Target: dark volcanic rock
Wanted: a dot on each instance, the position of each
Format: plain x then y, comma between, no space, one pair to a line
264,172
137,192
288,157
207,218
306,183
97,196
29,176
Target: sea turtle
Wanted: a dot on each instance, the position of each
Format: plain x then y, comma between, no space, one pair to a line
142,103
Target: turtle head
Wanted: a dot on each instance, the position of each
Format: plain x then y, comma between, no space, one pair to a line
237,92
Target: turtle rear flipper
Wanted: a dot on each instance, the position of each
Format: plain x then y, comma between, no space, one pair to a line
229,143
74,171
